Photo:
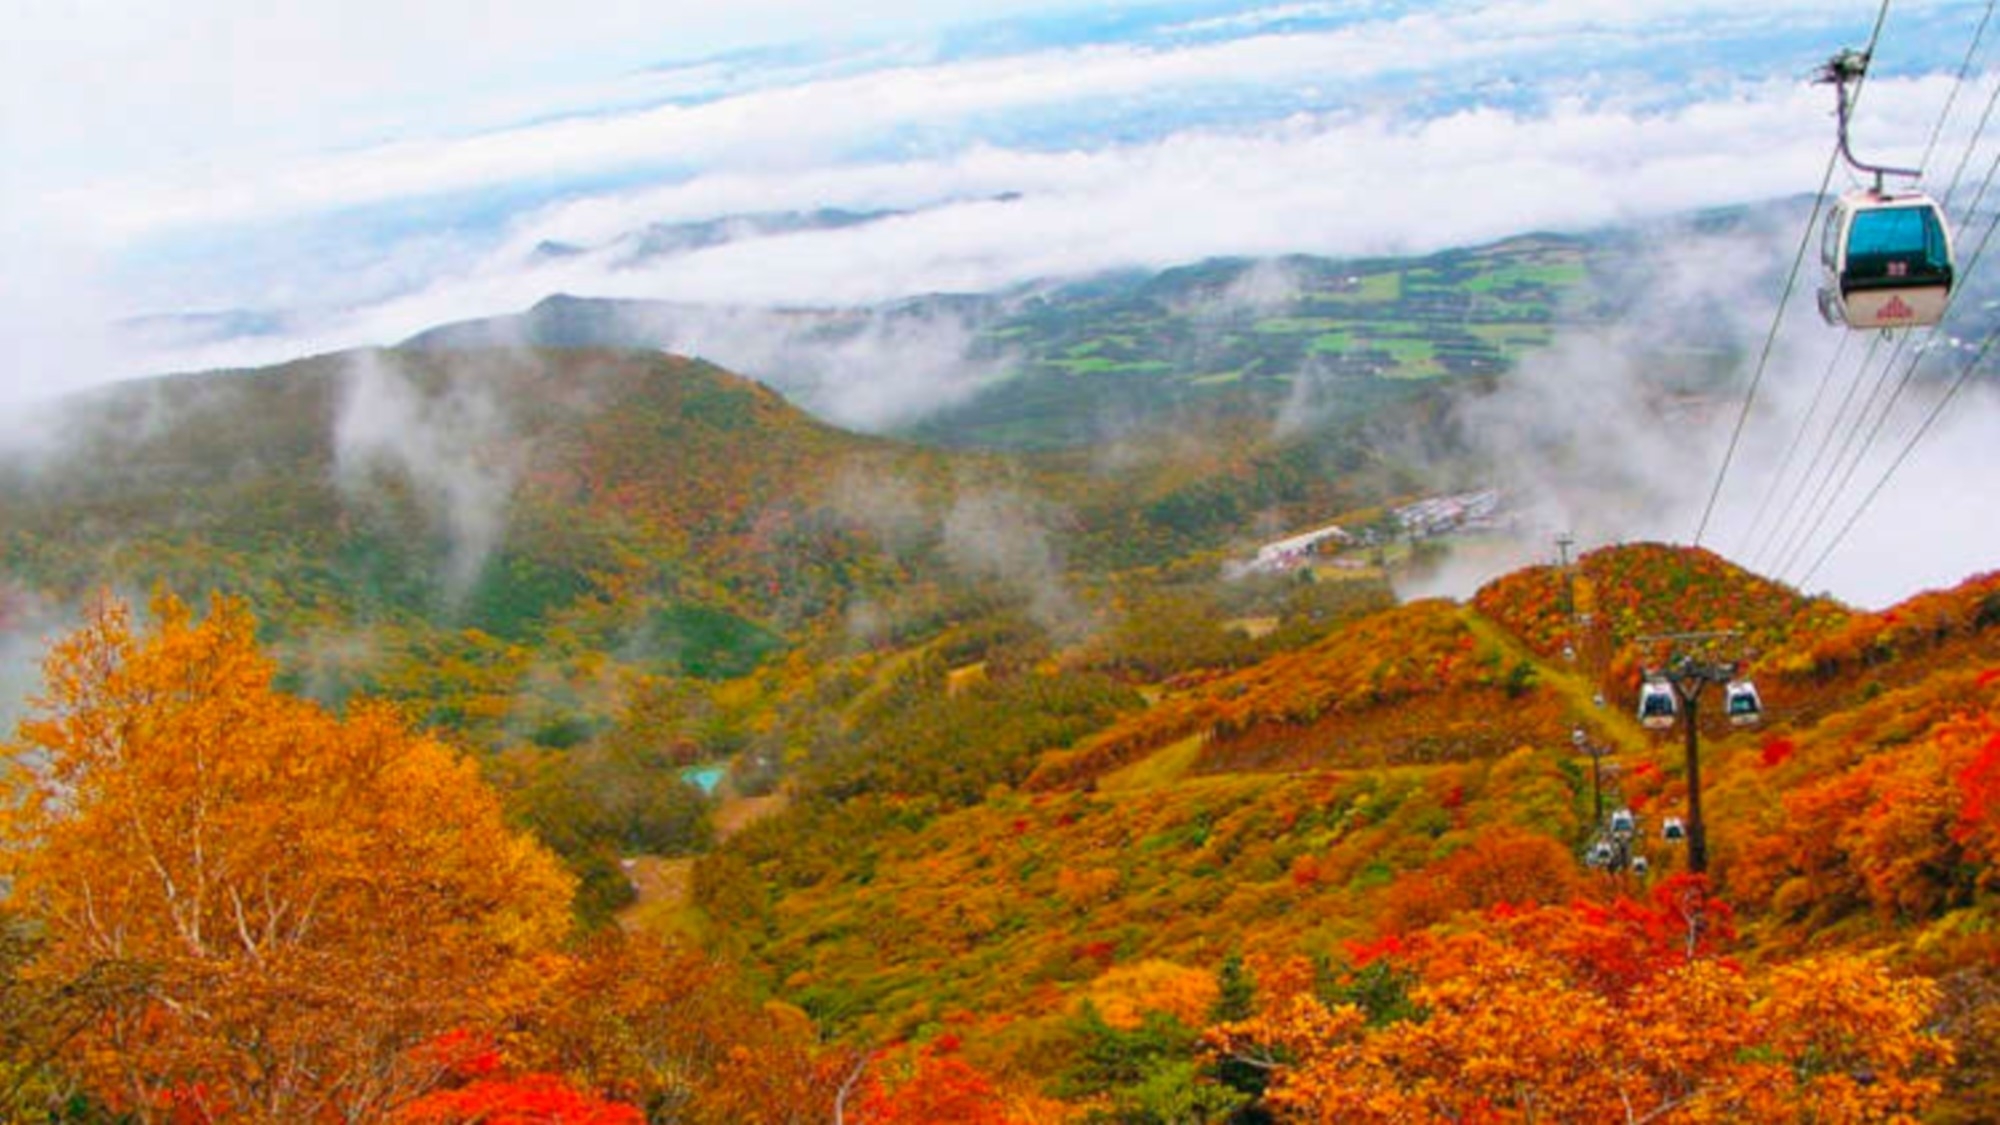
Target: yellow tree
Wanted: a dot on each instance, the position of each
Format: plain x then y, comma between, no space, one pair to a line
1854,1040
1510,1034
306,896
679,1033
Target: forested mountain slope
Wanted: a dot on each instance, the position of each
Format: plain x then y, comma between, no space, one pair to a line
1375,805
1040,838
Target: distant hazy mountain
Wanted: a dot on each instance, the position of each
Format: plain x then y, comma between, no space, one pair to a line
1050,365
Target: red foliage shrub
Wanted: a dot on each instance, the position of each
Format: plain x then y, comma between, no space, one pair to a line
530,1099
939,1087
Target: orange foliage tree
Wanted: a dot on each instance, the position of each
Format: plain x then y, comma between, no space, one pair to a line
1499,866
936,1085
1909,831
308,896
1125,994
1515,1023
530,1099
675,1031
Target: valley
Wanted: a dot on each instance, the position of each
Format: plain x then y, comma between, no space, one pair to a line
1018,778
1183,562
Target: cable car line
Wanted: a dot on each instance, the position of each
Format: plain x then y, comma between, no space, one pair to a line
1844,68
1807,525
1770,548
1820,491
1844,460
1952,189
1886,474
1937,408
1770,339
1791,279
1936,132
1889,265
1909,370
1798,439
1964,68
1964,375
1845,463
1984,117
1985,183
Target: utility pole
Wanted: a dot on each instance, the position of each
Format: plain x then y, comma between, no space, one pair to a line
1563,543
1689,675
1596,753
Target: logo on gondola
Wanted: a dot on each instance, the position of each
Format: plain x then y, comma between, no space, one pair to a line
1895,309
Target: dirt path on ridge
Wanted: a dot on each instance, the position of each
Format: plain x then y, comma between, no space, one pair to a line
1611,723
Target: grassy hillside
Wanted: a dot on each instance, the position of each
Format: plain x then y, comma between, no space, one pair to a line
1041,791
502,507
1071,363
609,552
1243,334
485,489
1408,773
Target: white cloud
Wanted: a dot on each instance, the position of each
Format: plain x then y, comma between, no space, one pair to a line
84,81
801,125
1334,185
453,446
53,335
1932,524
994,533
164,125
785,128
1595,436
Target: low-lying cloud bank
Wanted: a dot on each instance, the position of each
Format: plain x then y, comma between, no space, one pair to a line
987,218
1829,486
1251,130
1047,151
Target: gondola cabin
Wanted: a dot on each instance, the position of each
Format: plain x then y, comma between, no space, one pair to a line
1623,823
1672,829
1887,260
1656,705
1741,702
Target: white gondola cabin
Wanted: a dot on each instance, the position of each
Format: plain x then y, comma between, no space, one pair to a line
1656,705
1741,702
1623,823
1672,829
1887,259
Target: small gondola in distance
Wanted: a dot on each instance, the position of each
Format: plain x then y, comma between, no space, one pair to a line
1657,706
1742,703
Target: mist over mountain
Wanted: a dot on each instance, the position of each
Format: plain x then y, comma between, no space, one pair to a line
898,158
1192,561
845,218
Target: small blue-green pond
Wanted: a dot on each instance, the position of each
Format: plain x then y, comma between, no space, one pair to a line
707,777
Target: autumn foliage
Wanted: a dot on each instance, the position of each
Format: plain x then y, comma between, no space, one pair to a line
1499,868
532,1099
308,897
935,1083
1343,883
1907,831
1414,684
1597,1014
